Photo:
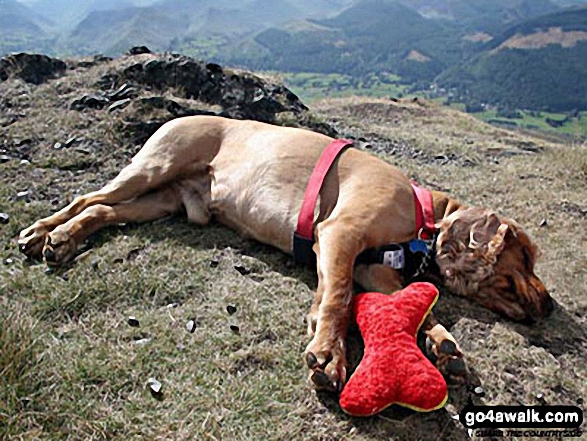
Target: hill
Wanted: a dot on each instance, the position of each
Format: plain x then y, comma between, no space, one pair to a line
21,28
70,362
538,64
370,36
487,16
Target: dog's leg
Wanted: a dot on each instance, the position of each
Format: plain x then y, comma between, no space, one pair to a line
449,358
134,180
336,249
62,242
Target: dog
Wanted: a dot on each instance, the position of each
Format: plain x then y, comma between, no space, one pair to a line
251,177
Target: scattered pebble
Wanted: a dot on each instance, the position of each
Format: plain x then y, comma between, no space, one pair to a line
231,309
479,391
543,223
4,218
70,141
235,329
155,385
191,326
242,270
57,145
541,399
4,158
25,162
8,261
143,341
214,263
132,321
22,195
172,305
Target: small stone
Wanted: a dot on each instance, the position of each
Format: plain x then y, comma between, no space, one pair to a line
143,341
118,105
172,305
9,261
235,329
231,309
540,398
543,223
155,385
25,162
4,158
191,326
132,321
57,145
22,195
70,141
479,391
4,218
242,270
214,263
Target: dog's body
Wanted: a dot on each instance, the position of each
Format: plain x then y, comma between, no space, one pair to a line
251,177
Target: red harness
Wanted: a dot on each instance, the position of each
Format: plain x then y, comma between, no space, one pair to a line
305,229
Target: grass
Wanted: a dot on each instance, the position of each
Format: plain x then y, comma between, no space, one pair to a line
72,368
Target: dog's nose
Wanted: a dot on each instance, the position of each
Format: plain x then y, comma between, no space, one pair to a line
548,306
49,254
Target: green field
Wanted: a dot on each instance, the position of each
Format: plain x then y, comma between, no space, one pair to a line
311,87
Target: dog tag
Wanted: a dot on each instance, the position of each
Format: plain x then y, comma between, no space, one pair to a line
394,259
418,246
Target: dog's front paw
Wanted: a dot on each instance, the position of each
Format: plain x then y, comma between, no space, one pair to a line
59,247
326,359
449,360
32,239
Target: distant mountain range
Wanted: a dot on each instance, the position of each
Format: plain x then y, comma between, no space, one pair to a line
464,45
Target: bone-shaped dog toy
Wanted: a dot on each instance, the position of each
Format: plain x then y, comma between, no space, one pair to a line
393,369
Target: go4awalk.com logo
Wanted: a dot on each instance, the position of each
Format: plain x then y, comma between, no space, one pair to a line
554,417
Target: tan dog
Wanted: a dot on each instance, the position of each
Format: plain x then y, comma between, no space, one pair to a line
251,177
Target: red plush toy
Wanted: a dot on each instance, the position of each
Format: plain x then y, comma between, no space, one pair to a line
393,369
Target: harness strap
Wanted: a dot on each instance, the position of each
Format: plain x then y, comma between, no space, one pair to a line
424,212
305,227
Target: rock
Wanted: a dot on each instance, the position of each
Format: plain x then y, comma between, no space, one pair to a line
231,309
57,146
143,341
191,326
123,92
8,261
235,329
119,105
544,223
132,321
70,141
4,218
154,385
242,270
479,391
4,159
90,102
32,68
138,50
22,195
25,162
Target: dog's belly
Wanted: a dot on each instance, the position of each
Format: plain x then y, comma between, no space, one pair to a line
259,182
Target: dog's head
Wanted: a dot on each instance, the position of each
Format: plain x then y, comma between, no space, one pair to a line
492,261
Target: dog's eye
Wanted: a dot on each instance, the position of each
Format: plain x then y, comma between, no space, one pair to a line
527,260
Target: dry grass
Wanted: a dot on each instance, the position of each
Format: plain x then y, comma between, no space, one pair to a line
72,368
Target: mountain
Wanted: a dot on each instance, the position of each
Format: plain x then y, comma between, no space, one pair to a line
115,31
373,35
538,64
22,29
482,15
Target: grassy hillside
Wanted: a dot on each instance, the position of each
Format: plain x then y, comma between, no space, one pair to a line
71,367
540,64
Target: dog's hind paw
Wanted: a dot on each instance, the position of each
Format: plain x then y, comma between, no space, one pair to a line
32,240
59,248
449,360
